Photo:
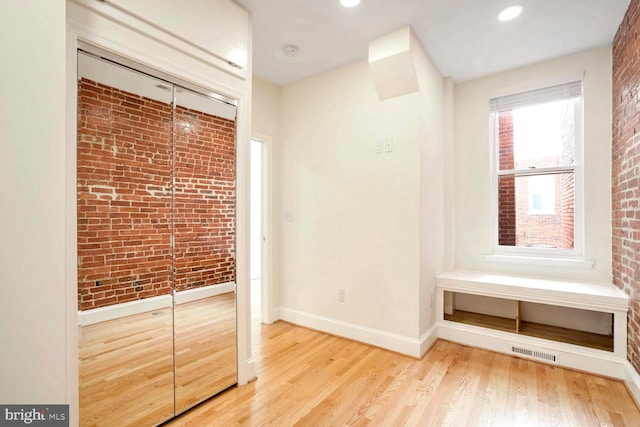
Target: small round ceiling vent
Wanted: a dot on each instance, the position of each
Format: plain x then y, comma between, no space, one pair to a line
291,50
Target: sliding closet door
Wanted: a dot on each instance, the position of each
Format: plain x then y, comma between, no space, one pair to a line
124,246
204,248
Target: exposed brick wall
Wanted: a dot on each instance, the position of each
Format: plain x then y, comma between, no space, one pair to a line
506,184
567,182
125,197
625,177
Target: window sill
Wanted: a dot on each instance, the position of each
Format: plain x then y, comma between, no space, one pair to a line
566,262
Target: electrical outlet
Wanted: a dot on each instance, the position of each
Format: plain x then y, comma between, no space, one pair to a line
340,297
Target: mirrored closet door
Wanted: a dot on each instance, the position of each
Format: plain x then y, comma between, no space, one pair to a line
204,257
156,245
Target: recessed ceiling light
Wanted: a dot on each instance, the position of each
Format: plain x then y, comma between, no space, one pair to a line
349,3
512,12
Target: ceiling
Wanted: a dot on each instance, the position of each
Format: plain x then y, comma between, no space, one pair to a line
463,37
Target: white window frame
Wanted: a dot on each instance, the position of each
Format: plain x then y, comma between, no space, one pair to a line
517,254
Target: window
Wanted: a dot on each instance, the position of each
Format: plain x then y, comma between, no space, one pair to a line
542,195
536,159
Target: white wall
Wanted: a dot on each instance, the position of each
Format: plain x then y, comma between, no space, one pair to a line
265,108
354,213
353,219
32,192
472,208
265,125
434,234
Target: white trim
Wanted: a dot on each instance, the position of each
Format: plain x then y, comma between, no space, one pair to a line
266,273
546,261
102,314
376,337
190,295
428,339
71,235
246,371
569,356
603,297
584,295
276,313
150,31
632,381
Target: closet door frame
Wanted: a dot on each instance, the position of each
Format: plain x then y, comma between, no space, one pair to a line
93,24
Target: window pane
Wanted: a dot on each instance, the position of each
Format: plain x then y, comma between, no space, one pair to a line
537,136
542,194
536,211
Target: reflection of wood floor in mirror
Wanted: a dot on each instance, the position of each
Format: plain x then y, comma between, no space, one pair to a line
205,343
122,360
126,365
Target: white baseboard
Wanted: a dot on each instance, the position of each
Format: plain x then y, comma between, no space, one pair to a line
246,371
205,292
102,314
632,380
570,356
394,342
428,339
275,314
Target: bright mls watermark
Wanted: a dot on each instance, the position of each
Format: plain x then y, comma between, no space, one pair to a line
37,415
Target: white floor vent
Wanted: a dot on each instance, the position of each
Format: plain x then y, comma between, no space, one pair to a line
534,354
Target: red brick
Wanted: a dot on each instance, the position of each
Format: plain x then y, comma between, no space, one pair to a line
625,186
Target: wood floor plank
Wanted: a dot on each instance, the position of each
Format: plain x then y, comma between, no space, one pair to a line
307,378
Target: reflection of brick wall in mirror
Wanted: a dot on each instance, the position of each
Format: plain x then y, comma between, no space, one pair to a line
125,198
204,207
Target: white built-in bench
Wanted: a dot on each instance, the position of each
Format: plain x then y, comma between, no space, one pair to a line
573,348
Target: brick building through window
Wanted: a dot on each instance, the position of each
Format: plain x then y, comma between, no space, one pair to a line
536,158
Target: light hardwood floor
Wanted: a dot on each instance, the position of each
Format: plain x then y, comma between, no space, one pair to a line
307,378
